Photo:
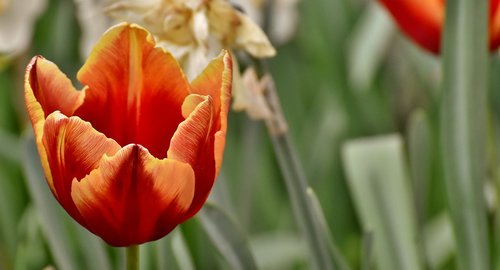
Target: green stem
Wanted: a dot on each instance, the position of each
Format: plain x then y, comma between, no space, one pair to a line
465,69
133,257
325,254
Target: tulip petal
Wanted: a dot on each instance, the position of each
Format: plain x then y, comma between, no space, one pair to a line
73,150
47,89
494,31
132,197
135,89
420,19
193,143
192,136
215,81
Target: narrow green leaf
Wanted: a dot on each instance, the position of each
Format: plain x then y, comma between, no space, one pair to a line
227,237
49,212
378,180
465,70
420,160
296,183
320,220
369,41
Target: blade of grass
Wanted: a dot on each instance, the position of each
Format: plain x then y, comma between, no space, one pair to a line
465,69
227,237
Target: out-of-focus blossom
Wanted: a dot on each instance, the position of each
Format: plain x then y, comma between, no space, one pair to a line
283,18
16,24
423,20
93,21
195,30
137,151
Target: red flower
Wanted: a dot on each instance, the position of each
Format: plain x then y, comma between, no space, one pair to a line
137,151
423,20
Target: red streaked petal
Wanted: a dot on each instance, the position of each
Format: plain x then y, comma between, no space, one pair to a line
215,81
73,150
192,136
132,197
135,90
48,86
193,143
422,20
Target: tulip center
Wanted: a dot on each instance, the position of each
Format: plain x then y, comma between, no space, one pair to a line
3,5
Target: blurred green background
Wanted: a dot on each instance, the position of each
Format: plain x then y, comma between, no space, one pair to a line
347,74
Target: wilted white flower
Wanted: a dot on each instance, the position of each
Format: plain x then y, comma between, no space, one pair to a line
195,30
16,24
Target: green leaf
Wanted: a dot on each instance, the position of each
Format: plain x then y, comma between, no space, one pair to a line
320,220
463,124
172,252
419,152
368,44
378,180
227,237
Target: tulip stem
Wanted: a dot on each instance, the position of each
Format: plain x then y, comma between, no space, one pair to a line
133,257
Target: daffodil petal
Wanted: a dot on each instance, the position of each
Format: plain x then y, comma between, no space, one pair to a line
135,89
73,148
132,197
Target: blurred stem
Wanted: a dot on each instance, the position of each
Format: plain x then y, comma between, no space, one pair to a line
133,257
465,69
325,255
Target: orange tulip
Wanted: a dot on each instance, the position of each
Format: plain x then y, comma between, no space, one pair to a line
423,20
137,151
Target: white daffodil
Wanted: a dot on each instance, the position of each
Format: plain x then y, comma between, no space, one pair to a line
195,30
16,24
